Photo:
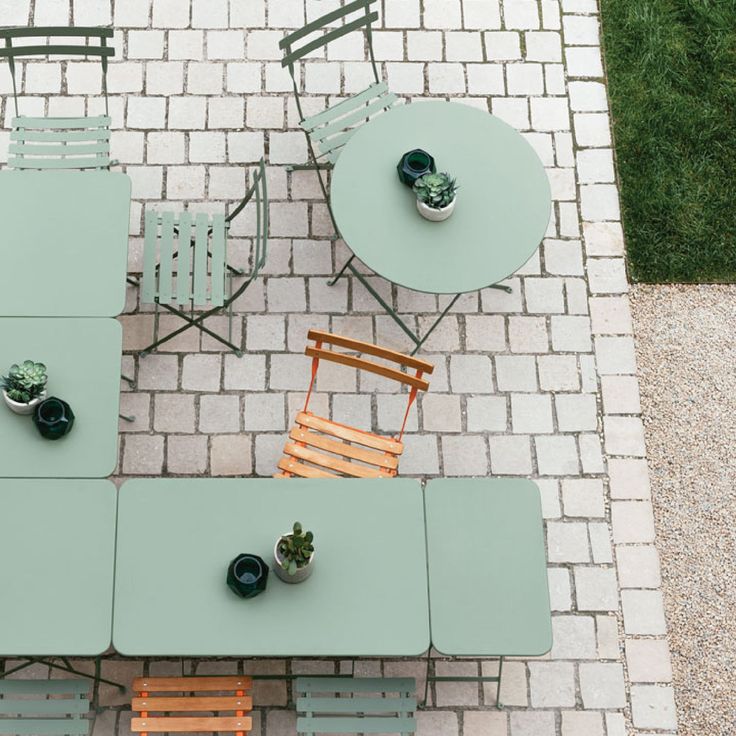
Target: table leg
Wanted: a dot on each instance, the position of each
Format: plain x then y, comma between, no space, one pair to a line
65,667
418,342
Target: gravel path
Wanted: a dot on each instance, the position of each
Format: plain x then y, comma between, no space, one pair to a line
686,348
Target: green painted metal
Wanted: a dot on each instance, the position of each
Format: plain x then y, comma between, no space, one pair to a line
502,210
355,684
58,706
166,257
82,358
49,687
103,51
333,135
345,599
313,725
45,726
205,266
184,259
355,705
392,697
201,230
487,567
66,139
57,593
63,242
219,256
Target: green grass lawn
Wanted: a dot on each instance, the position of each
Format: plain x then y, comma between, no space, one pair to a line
672,81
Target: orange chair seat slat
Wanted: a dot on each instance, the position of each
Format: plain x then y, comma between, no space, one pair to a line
367,439
381,460
191,725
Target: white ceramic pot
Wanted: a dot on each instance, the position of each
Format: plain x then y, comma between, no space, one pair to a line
20,408
302,573
435,215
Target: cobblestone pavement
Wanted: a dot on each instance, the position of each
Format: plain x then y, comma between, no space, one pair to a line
540,382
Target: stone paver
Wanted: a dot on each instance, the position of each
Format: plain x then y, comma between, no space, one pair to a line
539,383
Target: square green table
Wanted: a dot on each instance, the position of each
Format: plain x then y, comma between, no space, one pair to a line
367,595
57,561
63,243
82,358
488,589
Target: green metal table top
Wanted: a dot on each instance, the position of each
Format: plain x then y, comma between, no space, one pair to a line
63,243
82,358
488,586
503,204
57,547
366,596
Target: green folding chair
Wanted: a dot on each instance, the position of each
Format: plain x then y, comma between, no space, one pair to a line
59,142
44,707
185,261
355,705
328,131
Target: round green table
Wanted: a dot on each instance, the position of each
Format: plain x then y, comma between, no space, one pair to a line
503,204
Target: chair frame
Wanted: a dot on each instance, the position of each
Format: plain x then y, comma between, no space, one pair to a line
239,702
41,714
294,53
302,439
357,709
92,132
258,189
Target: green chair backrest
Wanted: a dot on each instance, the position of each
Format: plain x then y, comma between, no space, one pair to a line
259,191
355,705
82,34
296,45
44,707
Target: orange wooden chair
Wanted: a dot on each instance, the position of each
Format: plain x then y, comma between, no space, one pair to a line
223,695
321,448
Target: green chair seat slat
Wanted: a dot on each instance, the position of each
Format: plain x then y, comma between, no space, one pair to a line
150,237
201,227
98,121
46,31
217,287
58,136
332,35
333,145
44,687
62,149
361,113
166,258
355,684
310,725
323,21
45,726
343,107
60,163
56,49
57,706
356,705
184,259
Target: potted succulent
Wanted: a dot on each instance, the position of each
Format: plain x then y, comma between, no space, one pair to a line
294,555
24,386
435,196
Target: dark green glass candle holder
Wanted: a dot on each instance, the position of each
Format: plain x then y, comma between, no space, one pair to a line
413,165
53,418
247,575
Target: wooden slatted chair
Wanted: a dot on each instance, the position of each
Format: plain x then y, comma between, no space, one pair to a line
185,261
321,448
59,142
220,695
44,707
355,705
329,131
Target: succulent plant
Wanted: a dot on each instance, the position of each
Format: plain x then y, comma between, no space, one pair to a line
435,190
24,382
295,550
